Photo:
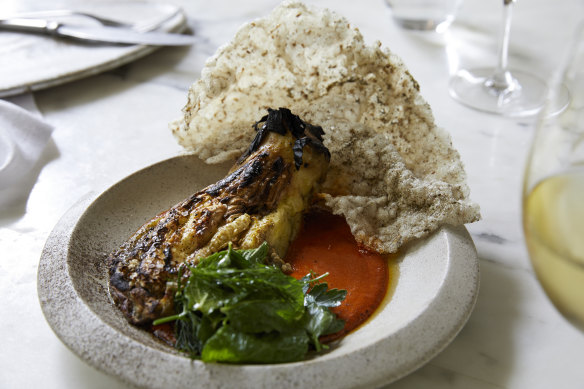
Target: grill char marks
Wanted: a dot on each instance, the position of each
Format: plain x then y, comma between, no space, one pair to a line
140,269
240,209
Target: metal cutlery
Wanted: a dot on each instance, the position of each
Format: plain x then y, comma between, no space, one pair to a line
108,32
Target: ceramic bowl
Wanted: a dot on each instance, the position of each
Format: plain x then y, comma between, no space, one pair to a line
435,292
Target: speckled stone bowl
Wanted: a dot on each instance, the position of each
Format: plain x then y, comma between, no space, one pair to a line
436,290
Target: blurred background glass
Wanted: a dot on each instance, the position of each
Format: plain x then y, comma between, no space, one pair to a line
499,90
424,15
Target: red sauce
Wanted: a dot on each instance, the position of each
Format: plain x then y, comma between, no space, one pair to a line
164,332
325,244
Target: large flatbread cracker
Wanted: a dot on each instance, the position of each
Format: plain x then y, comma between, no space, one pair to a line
394,174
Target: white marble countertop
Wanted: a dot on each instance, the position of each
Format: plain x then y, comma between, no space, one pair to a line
513,339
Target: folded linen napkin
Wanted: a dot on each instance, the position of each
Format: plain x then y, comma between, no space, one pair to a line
23,136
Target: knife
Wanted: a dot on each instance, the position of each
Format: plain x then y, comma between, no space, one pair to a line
95,34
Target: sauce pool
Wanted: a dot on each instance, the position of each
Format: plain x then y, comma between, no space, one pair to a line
325,244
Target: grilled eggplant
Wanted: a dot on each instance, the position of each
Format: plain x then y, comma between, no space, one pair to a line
261,199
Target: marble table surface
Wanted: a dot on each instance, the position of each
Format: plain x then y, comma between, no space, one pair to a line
513,339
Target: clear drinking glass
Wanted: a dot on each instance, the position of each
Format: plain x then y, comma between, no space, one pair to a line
501,91
553,195
424,15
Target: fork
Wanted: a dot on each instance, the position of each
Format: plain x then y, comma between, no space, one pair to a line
100,19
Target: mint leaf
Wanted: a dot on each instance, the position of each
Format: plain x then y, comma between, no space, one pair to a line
235,308
229,345
256,256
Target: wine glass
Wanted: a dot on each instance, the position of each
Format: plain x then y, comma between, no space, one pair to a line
498,90
553,196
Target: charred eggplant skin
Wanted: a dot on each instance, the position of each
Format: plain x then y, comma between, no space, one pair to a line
282,120
261,199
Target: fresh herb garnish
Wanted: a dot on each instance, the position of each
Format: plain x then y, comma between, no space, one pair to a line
234,308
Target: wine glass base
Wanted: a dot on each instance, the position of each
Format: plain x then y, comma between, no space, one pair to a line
438,25
527,97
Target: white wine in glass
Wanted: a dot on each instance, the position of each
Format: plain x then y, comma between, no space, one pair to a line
553,197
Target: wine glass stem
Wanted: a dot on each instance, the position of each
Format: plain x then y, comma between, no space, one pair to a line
502,81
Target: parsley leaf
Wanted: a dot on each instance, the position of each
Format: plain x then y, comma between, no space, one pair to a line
319,319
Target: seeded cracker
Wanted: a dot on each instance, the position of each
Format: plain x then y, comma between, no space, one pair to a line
394,175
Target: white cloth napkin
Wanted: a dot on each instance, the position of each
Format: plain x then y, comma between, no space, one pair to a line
23,136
